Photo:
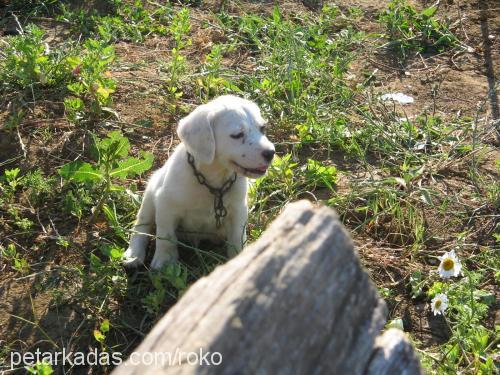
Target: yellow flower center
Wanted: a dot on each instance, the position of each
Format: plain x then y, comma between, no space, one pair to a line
448,264
437,305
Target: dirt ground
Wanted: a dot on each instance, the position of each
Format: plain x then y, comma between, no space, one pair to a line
451,84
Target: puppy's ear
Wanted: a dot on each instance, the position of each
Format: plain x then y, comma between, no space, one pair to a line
196,131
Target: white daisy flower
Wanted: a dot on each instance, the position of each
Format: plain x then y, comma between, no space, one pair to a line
439,304
450,265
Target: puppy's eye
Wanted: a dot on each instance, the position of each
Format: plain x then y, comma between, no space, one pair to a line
236,136
262,129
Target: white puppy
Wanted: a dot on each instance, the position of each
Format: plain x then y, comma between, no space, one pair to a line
201,191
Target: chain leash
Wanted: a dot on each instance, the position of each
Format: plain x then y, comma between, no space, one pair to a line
218,193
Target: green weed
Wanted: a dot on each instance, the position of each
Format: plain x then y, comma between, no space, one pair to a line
37,187
26,62
100,334
134,22
173,275
93,83
112,162
41,368
17,261
411,30
28,65
77,201
210,82
12,179
179,30
127,21
102,282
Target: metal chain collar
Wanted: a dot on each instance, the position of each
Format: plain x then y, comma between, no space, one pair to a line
218,193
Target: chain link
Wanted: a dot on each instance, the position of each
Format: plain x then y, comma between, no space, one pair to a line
218,193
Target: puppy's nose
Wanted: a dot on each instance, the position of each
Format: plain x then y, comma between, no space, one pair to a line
268,155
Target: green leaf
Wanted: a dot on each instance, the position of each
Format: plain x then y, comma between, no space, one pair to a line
426,196
99,336
133,166
110,214
485,297
112,251
395,323
76,88
73,61
75,104
114,187
80,172
105,326
322,173
416,283
436,288
114,146
176,275
116,253
11,174
429,12
104,92
41,368
276,15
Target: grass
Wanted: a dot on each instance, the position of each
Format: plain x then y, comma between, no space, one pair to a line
409,184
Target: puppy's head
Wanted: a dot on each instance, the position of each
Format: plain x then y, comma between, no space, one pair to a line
229,130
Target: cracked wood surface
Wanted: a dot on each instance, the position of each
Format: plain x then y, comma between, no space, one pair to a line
296,301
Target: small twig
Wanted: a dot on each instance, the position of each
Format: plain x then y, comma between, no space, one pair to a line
54,20
423,61
54,227
29,276
23,147
38,218
8,161
20,30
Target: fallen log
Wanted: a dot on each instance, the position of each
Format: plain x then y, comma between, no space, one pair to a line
296,301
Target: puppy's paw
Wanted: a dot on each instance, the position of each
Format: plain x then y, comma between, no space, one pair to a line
162,258
133,258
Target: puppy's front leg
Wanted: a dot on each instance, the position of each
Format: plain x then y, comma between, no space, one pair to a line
166,240
143,227
236,225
